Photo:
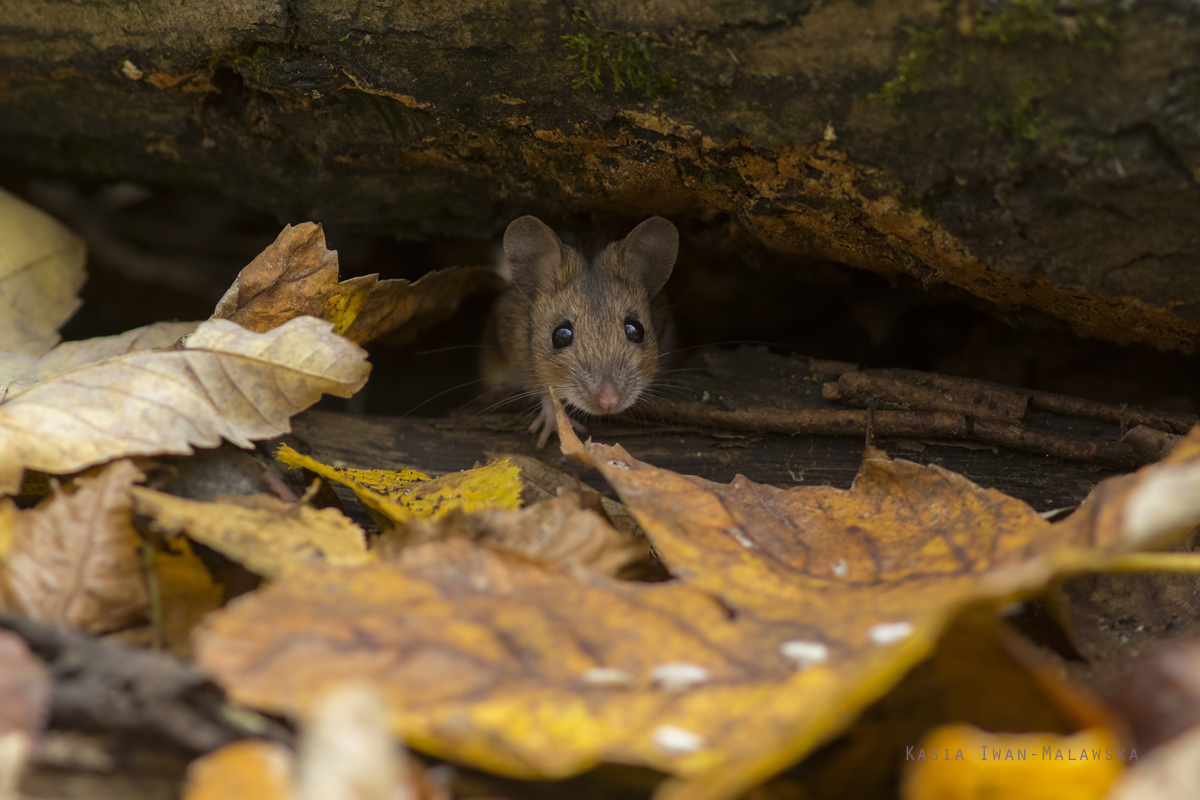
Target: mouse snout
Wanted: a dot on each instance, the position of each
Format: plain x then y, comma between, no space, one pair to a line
607,395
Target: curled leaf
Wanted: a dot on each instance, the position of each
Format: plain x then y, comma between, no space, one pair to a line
226,382
41,272
69,355
296,275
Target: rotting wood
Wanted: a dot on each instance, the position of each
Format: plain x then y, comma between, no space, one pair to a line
927,391
905,404
1043,162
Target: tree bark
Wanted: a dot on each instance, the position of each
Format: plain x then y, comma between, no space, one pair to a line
1040,157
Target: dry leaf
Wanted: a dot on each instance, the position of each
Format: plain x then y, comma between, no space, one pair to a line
74,561
403,309
965,763
186,592
262,533
297,276
882,563
503,662
226,382
563,531
793,611
41,273
245,770
347,752
1167,772
25,687
69,355
392,497
540,481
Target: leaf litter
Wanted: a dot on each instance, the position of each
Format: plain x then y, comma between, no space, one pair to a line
496,635
41,273
791,610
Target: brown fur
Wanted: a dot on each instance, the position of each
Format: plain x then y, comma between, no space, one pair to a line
596,295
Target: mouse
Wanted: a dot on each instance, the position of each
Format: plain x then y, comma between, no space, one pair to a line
592,327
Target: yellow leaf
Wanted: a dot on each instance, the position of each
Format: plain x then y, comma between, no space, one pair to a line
506,663
186,592
41,272
226,382
965,763
74,561
8,525
245,770
69,355
791,611
264,534
393,497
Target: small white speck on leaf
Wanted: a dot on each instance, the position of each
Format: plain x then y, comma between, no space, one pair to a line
678,676
618,464
673,739
890,633
741,538
841,568
805,654
608,676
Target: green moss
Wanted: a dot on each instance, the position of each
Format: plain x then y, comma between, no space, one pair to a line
1022,120
1021,20
924,49
622,60
956,41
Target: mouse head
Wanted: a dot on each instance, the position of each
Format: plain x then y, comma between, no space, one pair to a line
590,333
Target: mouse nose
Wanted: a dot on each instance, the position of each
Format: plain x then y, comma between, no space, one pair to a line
607,396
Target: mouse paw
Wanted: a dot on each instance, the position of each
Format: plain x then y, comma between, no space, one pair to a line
547,424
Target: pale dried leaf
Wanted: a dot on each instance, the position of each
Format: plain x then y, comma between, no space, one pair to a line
266,538
74,561
41,272
70,355
1168,771
347,751
225,382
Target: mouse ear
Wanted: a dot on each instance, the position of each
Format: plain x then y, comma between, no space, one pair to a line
649,253
534,254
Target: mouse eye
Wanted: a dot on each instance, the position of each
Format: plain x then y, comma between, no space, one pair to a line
563,335
634,331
